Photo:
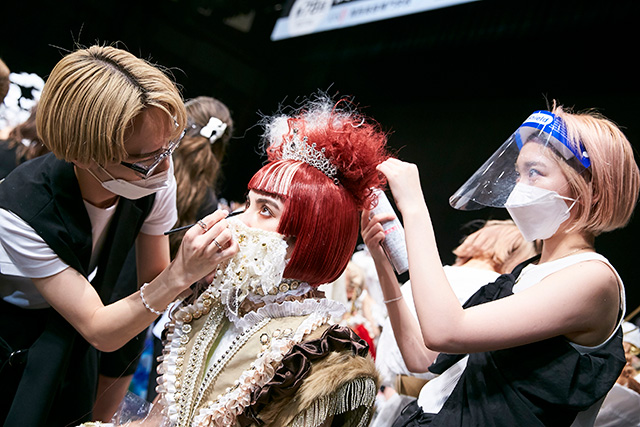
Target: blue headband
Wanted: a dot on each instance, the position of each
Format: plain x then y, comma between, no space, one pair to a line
547,122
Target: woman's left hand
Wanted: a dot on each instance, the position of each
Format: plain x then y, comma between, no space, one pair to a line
373,233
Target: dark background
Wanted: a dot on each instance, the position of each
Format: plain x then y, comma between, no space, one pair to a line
450,85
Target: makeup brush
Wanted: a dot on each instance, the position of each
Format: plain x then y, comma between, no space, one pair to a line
184,227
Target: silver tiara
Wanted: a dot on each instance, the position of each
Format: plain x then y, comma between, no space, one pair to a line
300,150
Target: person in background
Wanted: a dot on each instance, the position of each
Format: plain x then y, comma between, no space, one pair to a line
360,306
5,83
362,259
198,161
21,145
68,220
544,342
4,80
21,93
493,249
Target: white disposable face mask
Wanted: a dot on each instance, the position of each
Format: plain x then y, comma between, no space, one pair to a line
537,212
137,189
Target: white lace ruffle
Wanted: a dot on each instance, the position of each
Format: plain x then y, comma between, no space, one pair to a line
290,309
257,268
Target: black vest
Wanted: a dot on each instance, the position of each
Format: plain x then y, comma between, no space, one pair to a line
58,382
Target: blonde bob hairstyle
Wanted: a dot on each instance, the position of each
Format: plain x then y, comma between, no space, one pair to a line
91,97
498,242
607,191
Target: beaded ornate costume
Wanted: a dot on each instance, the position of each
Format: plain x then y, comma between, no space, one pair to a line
222,366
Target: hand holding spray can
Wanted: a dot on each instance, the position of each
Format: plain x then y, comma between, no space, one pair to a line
394,244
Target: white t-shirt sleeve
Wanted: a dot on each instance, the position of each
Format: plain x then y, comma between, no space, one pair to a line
164,212
23,252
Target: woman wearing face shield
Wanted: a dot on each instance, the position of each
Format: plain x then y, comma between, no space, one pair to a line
544,342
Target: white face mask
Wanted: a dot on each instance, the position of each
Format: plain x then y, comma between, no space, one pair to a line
537,212
137,189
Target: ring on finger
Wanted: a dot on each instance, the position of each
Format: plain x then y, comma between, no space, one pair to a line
217,244
202,224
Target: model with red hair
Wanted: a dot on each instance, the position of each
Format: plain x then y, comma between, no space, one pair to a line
255,347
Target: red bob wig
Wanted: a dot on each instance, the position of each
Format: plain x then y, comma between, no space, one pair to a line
322,211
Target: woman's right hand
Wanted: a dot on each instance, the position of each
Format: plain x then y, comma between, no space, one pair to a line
202,250
404,182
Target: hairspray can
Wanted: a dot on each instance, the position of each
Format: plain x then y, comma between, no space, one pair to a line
394,244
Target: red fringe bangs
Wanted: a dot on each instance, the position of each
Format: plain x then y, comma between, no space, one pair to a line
275,178
324,219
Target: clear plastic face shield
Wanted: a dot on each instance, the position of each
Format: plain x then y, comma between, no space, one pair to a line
532,151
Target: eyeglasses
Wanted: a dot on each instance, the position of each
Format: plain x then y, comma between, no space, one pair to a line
146,167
